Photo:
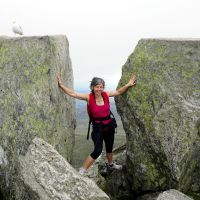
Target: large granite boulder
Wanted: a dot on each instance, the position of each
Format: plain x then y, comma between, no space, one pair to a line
161,115
49,176
31,104
173,195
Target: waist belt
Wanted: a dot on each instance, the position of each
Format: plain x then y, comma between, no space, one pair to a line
100,118
96,119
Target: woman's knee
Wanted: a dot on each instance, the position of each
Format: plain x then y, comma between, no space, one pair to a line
96,153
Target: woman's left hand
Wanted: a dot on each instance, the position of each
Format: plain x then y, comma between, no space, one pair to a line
59,80
132,80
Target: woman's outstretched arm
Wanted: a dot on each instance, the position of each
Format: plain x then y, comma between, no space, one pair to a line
71,92
124,88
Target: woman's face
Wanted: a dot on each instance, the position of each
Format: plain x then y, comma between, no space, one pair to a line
98,89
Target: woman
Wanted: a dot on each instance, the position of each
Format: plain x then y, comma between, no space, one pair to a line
99,108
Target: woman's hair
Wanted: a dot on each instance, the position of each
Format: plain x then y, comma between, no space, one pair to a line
96,81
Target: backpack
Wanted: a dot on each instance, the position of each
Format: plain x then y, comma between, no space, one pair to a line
92,120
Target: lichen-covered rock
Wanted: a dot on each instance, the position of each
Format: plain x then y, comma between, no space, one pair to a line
161,115
50,176
31,103
173,195
166,195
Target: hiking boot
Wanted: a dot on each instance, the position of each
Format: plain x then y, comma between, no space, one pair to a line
82,171
114,166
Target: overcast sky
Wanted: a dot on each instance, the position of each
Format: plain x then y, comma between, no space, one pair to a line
102,33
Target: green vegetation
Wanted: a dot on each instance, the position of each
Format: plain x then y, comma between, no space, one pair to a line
195,196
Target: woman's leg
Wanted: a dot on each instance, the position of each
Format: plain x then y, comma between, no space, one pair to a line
98,146
88,162
109,158
109,141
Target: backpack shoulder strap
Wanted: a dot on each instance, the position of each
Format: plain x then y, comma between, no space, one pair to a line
105,97
89,104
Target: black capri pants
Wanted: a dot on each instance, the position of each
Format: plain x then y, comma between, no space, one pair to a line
99,134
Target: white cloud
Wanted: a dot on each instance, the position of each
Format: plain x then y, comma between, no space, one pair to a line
102,33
